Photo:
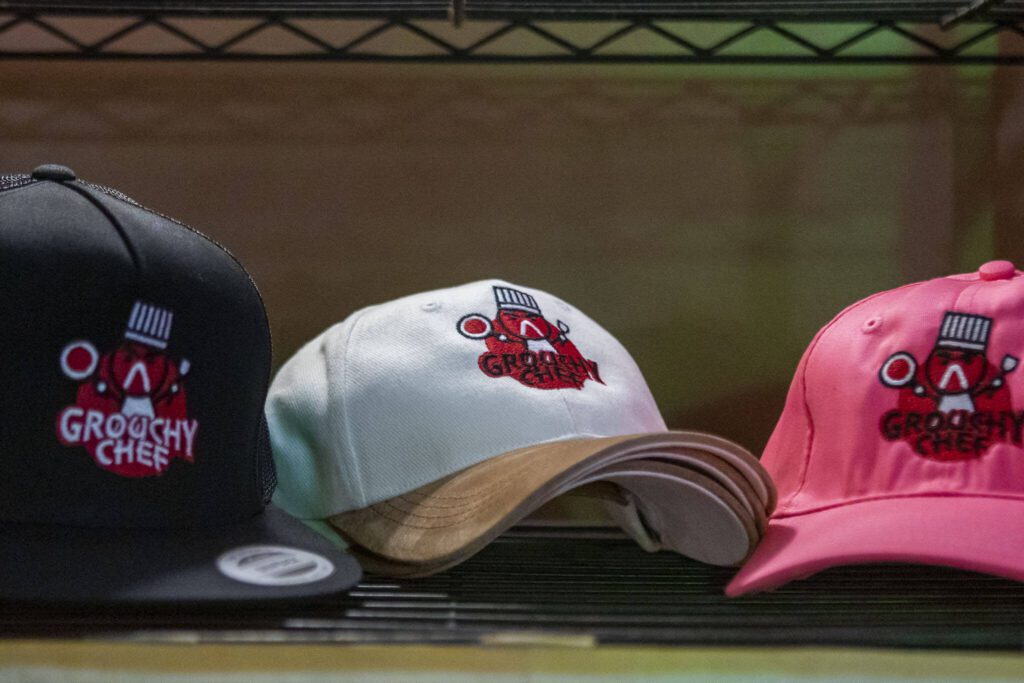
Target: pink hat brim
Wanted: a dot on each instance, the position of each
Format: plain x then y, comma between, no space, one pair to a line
981,534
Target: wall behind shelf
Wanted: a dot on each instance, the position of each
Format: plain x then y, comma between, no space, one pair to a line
712,218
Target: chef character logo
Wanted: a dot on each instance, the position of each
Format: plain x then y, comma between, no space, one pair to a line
955,404
130,411
522,344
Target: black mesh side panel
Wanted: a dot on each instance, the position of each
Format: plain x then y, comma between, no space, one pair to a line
9,182
267,473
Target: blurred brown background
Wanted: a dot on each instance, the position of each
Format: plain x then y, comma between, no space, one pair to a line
713,218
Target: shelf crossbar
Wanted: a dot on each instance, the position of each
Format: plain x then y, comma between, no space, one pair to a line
52,31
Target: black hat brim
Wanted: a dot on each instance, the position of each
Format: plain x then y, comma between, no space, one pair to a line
57,564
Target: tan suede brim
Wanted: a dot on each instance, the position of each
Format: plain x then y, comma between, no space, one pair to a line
454,517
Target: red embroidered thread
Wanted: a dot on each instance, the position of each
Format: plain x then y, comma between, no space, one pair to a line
130,412
956,403
523,344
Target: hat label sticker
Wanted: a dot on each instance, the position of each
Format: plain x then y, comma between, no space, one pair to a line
522,344
273,565
955,404
130,412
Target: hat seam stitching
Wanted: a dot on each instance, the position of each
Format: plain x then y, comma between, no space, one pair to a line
508,477
519,468
32,183
969,289
712,464
803,382
899,496
525,464
356,472
565,403
477,494
461,515
129,246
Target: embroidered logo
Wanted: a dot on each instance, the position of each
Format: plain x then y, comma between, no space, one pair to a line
130,412
956,404
522,344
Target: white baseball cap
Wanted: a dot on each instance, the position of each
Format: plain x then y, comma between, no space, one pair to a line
423,427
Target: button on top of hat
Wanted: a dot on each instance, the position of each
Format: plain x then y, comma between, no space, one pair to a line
53,172
997,270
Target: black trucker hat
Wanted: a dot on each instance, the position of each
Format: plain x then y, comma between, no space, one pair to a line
133,447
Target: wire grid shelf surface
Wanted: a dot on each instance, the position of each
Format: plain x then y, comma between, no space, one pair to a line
859,31
570,583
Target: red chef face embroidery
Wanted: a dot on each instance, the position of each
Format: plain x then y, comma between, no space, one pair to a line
522,344
130,412
956,404
954,371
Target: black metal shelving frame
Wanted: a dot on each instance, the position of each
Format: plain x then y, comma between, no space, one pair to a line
539,585
519,583
465,31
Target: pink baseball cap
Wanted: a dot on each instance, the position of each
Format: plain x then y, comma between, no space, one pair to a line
901,439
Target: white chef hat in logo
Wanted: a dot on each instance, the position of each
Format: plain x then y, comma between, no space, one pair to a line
964,331
507,297
149,324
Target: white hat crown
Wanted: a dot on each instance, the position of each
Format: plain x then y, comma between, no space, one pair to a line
395,397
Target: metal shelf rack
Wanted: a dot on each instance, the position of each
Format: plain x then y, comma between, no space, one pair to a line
516,588
567,31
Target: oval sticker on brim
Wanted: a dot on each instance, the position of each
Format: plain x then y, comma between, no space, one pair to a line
273,565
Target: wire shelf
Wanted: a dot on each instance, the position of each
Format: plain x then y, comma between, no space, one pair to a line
598,587
574,31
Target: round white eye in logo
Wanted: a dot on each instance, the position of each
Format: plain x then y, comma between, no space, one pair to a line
79,359
273,565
